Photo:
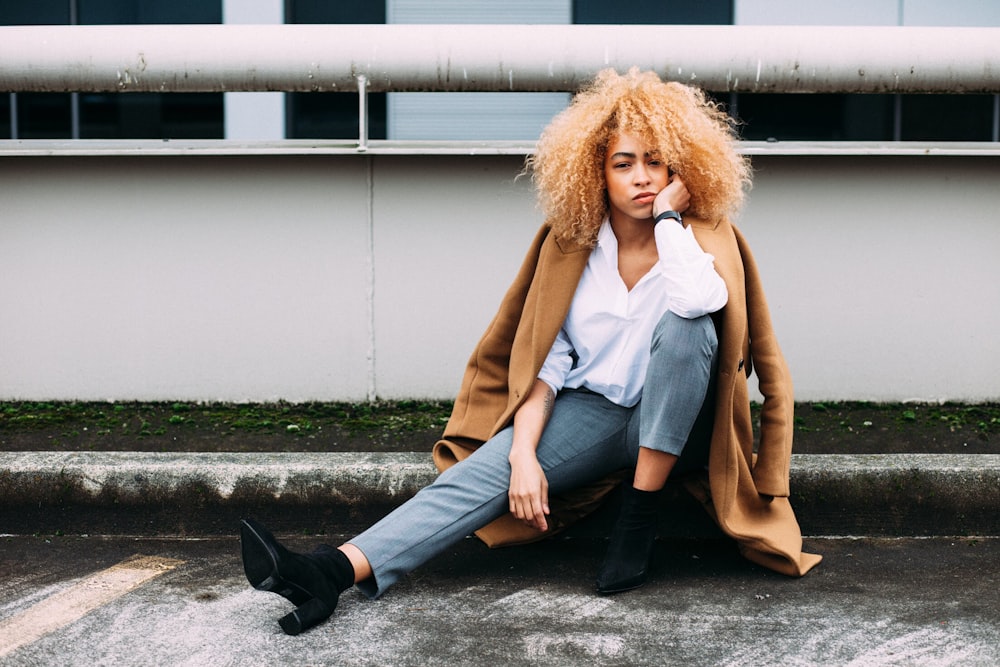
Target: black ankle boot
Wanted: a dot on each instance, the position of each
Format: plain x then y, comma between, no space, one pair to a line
631,546
312,582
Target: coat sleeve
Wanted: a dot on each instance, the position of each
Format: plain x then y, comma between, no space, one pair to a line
771,470
483,396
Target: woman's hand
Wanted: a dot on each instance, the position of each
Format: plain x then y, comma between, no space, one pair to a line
529,490
674,197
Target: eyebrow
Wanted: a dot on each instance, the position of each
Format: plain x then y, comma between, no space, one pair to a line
631,156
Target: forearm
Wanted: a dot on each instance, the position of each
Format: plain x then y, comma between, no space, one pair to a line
696,288
529,490
531,418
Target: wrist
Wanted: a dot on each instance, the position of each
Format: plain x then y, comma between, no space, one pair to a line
521,453
674,215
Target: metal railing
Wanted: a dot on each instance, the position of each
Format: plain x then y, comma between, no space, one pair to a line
449,58
327,58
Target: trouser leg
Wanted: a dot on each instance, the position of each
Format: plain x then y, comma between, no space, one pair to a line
673,396
682,369
583,441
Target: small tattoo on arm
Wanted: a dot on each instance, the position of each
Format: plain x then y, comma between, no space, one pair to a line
550,399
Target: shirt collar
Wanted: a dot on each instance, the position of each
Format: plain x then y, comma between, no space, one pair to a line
607,244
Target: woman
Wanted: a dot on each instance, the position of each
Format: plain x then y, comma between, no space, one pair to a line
624,342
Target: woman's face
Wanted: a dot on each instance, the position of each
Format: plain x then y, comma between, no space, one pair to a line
634,173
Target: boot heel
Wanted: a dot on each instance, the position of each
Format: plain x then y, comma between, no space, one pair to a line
309,614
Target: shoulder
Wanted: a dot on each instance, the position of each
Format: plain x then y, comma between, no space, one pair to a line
719,238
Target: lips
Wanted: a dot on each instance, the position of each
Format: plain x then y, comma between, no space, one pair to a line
644,198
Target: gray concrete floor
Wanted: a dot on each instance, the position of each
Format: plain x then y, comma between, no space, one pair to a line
904,601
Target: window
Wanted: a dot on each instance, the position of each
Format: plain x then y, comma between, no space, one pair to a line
516,116
142,12
151,116
333,115
646,12
42,115
38,12
813,116
110,115
865,117
6,128
868,117
947,117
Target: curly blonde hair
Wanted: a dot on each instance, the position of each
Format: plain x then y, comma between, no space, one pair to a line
694,136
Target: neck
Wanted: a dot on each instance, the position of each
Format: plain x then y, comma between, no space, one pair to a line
632,232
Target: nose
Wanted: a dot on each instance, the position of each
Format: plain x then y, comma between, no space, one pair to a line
641,174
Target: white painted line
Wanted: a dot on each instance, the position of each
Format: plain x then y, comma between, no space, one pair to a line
61,609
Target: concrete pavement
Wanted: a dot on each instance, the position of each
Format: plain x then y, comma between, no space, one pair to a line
132,559
931,601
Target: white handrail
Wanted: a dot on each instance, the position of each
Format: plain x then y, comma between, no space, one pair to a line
228,58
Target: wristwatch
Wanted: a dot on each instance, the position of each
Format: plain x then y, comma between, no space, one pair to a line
670,214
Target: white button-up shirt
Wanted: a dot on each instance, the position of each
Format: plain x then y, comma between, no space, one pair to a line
604,343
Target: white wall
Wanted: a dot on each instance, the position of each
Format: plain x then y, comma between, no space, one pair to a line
449,237
253,278
882,273
156,278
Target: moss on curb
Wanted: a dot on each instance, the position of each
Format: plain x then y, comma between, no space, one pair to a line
413,425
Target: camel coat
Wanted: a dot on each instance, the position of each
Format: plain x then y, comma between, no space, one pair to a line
746,493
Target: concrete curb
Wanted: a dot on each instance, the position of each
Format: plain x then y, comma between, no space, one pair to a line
198,493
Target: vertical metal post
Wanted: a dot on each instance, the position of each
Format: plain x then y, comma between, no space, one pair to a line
74,115
370,185
370,279
13,116
74,98
362,113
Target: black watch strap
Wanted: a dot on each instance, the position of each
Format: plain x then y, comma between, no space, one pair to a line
669,214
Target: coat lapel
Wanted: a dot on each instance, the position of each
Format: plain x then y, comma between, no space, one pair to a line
560,266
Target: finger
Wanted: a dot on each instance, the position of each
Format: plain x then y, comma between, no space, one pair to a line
525,511
517,509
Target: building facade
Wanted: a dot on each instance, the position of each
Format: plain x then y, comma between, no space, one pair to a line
296,268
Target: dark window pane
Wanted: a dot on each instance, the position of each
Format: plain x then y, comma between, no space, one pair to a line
127,12
342,11
193,116
947,118
5,128
34,12
814,117
645,12
333,115
44,116
152,116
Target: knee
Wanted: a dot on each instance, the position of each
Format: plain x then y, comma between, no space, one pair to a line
678,335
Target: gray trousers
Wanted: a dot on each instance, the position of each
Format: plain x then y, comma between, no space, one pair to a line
587,437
